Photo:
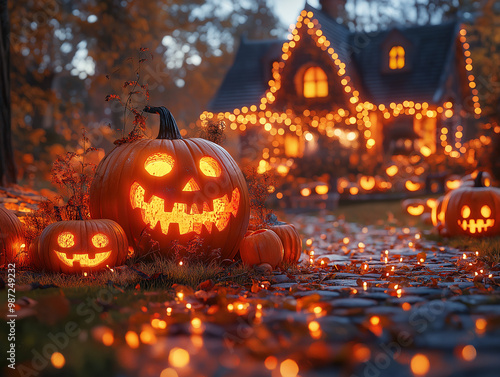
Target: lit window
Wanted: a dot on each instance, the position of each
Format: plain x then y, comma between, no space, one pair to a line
397,57
315,83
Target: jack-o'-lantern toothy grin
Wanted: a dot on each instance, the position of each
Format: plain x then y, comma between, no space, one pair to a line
85,260
189,218
476,225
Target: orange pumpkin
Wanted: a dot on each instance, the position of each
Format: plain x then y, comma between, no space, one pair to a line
12,241
176,187
262,246
35,260
82,245
472,211
290,238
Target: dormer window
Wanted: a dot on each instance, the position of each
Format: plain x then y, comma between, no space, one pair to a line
396,57
397,53
315,83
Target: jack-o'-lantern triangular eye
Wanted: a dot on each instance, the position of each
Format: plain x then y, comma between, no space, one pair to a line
210,167
159,164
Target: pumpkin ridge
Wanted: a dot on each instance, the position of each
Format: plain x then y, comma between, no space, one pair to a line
126,194
100,180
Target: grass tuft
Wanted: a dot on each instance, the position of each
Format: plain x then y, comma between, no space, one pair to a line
158,273
489,248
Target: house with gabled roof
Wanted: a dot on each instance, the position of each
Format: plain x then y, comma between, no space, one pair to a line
333,97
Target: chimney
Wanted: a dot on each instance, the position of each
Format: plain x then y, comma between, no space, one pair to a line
334,8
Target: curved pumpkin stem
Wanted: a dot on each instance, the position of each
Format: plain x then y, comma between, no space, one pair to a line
478,182
168,126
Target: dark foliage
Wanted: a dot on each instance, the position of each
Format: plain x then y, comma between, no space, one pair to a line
214,131
260,186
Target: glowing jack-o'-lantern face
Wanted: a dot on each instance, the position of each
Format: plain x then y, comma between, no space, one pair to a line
473,225
75,246
472,211
413,186
190,216
367,183
66,242
173,189
415,207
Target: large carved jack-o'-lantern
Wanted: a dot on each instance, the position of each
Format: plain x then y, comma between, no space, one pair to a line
175,189
82,245
472,211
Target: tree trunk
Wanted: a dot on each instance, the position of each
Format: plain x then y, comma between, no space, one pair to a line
7,167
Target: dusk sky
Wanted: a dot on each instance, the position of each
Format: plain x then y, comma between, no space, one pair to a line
288,10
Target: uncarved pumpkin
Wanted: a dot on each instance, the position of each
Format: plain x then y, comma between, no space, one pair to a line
175,189
11,239
262,246
290,238
82,245
472,211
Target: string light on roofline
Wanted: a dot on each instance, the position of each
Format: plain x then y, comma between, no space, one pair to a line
289,122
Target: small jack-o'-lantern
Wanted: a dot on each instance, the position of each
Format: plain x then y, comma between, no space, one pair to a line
82,245
414,185
175,189
415,207
452,183
472,211
367,183
12,241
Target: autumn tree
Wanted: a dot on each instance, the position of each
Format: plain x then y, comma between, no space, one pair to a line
68,55
7,167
